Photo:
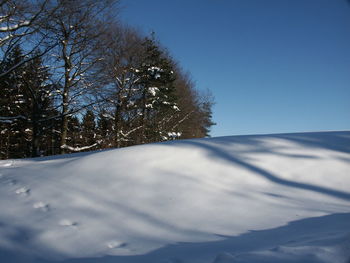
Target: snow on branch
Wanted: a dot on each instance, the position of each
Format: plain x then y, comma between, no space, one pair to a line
6,121
131,131
14,27
11,119
183,119
79,149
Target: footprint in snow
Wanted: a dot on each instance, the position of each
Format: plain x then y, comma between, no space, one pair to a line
116,244
174,260
224,257
66,222
12,182
9,181
41,206
23,191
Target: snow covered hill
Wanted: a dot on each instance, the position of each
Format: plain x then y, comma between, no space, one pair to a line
264,198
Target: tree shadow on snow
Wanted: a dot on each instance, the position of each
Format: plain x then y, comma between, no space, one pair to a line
317,232
336,142
324,231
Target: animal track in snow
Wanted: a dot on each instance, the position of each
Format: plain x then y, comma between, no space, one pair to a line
41,205
176,260
116,244
23,191
223,257
66,222
7,180
12,182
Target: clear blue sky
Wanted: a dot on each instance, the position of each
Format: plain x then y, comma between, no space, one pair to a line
272,65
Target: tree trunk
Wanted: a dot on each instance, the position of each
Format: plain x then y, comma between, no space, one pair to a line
64,128
65,95
35,136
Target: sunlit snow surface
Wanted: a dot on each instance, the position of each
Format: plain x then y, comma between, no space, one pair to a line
267,198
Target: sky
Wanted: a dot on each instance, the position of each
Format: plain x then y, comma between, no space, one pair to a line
273,66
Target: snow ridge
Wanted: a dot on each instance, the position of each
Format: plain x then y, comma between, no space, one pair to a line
266,198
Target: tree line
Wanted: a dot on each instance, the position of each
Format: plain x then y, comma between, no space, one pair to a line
73,78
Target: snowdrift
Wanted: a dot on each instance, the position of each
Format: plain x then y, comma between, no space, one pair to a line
263,198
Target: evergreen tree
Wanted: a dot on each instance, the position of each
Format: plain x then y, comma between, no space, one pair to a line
39,104
157,99
26,106
105,130
11,112
88,129
74,138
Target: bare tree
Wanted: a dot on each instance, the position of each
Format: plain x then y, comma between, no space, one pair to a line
122,52
75,28
20,25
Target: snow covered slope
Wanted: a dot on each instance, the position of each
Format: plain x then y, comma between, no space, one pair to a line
266,198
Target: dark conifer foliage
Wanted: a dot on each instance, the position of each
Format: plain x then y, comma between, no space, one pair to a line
88,129
157,100
103,85
27,105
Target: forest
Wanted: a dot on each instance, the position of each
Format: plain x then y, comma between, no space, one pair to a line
74,78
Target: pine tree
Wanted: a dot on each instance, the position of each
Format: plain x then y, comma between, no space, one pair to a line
74,138
39,104
157,99
88,129
104,130
14,143
26,106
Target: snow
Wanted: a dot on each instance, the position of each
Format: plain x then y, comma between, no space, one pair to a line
108,116
67,222
14,27
262,198
153,90
155,71
41,205
22,191
6,121
131,103
174,135
78,149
